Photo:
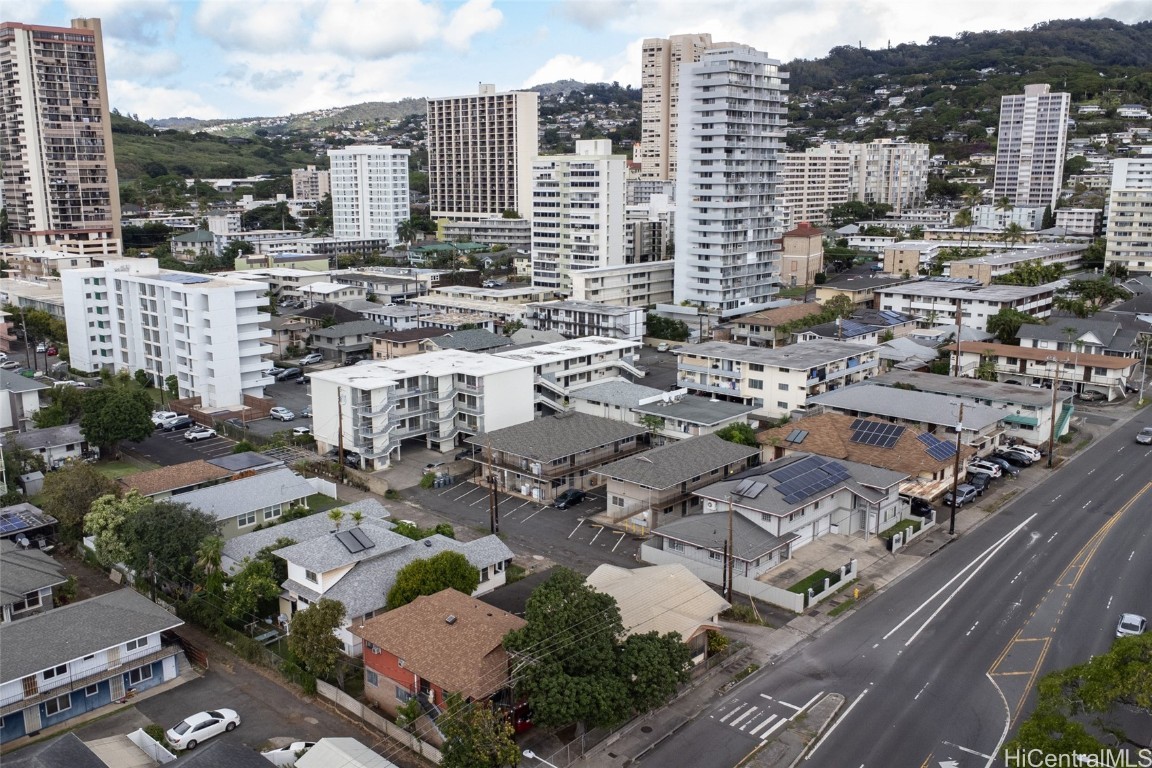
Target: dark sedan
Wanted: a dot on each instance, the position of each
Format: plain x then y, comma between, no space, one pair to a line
569,498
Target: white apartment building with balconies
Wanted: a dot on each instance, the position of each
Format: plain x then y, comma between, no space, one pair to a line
630,285
778,381
480,153
575,319
1030,146
937,301
203,329
562,366
369,191
577,213
728,226
369,409
1130,214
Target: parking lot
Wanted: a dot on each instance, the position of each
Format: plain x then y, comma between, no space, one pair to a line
567,536
168,448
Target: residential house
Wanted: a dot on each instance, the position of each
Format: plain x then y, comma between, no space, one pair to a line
1074,371
842,330
933,413
770,328
27,577
468,340
1027,412
542,458
240,504
19,400
357,566
906,353
776,509
663,599
411,341
323,315
66,662
337,342
1074,335
329,293
438,644
28,525
163,482
777,381
927,460
286,335
664,479
56,445
674,415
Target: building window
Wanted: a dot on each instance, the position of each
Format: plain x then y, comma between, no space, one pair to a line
55,672
782,404
58,704
403,695
371,678
132,645
755,384
675,546
782,387
755,367
246,519
139,675
617,501
30,601
311,576
92,690
273,512
714,555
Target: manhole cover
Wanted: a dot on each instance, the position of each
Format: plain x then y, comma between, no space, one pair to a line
645,729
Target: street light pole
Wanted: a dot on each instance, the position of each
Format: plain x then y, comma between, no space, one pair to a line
956,469
533,756
1144,372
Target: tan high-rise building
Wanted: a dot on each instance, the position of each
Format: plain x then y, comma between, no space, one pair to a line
310,184
480,153
660,85
56,135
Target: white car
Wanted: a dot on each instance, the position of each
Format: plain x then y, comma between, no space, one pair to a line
196,728
1131,624
160,418
301,431
41,347
10,365
199,433
281,414
3,356
296,749
1144,437
311,359
662,347
985,468
1028,451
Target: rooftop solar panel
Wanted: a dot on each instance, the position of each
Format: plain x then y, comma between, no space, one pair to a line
941,450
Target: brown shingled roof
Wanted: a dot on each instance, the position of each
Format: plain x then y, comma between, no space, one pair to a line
171,478
828,435
804,229
781,315
466,656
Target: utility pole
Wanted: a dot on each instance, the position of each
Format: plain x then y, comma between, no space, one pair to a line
493,496
730,559
340,433
1144,372
1055,418
152,574
956,469
956,368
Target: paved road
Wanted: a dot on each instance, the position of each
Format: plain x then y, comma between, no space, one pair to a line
938,668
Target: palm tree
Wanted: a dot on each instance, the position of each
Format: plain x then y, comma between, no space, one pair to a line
209,558
407,231
1013,233
336,516
970,198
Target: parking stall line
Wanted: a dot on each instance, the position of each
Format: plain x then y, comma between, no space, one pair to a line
538,511
622,535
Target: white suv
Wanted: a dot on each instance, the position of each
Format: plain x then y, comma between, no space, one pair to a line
311,359
1028,451
985,468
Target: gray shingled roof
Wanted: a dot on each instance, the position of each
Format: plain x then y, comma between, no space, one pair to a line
365,587
66,750
698,410
710,531
49,437
352,328
471,340
615,392
324,553
219,753
925,407
554,437
14,382
227,500
25,570
77,630
678,462
301,529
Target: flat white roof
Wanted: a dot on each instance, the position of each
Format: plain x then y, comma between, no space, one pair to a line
324,287
943,289
559,350
384,373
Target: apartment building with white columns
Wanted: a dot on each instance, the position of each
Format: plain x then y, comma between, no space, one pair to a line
203,329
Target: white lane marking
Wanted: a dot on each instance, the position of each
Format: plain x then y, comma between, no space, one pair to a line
1086,504
973,627
1119,476
1108,605
1018,575
975,562
1091,471
1055,498
917,696
836,724
810,702
969,751
599,530
747,713
1131,555
770,731
757,729
725,718
526,518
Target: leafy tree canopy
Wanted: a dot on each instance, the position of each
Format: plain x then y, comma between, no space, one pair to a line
664,328
253,586
106,522
68,495
311,636
477,735
738,433
171,533
428,576
1005,324
120,410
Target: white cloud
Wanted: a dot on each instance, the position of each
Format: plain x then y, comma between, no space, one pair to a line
366,29
142,21
148,102
126,61
469,20
566,67
256,25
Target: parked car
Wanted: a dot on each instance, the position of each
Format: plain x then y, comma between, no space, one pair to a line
281,414
921,508
273,372
311,359
288,373
1013,381
306,412
662,347
1033,453
984,467
1005,466
10,365
51,352
1016,458
353,359
41,347
1091,396
468,452
296,748
197,434
301,431
569,498
1131,624
1144,436
980,482
964,494
160,418
491,284
3,356
194,729
178,423
434,466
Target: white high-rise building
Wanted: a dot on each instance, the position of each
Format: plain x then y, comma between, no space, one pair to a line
660,64
480,153
1129,235
728,229
1030,146
56,137
369,191
577,213
204,329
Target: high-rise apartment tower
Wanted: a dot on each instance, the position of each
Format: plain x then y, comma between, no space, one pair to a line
1030,146
660,85
369,191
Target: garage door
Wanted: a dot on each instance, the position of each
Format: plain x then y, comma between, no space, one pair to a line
822,525
805,535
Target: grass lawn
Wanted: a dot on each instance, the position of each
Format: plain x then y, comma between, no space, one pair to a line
796,292
318,502
115,470
814,580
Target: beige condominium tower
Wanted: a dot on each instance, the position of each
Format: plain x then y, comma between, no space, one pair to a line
660,84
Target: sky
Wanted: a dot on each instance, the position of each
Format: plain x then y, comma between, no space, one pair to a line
261,58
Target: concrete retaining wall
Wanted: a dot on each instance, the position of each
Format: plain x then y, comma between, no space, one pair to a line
377,721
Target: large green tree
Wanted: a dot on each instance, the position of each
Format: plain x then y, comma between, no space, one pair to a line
119,410
170,533
428,576
739,433
252,590
477,735
311,636
656,665
567,654
68,495
106,522
1005,324
1085,298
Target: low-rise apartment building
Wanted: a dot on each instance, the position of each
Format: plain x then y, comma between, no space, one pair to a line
672,415
993,265
500,305
542,458
777,381
628,285
936,301
1081,222
562,366
1069,371
575,319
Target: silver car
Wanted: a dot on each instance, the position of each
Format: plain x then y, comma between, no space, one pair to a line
1144,437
